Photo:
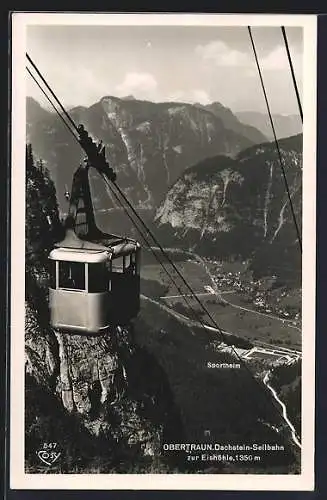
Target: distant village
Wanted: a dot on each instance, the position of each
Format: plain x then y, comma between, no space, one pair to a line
258,293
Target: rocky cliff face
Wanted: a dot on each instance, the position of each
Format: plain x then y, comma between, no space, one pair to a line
148,144
235,207
100,384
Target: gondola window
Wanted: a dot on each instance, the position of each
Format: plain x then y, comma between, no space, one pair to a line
98,278
72,275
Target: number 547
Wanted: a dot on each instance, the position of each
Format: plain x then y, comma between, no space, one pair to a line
49,446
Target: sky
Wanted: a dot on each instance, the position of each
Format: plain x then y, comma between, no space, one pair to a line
167,63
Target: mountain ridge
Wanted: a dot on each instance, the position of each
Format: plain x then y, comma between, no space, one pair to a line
148,144
233,123
285,125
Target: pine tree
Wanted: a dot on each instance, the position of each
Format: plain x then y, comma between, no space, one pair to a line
29,157
42,215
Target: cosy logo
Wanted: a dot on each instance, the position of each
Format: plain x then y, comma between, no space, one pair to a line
49,453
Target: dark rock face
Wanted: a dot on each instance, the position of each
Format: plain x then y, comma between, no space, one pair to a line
287,381
148,144
41,361
237,207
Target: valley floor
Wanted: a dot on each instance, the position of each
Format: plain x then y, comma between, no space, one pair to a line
184,341
230,308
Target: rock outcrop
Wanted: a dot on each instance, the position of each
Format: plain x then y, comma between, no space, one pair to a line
239,207
101,384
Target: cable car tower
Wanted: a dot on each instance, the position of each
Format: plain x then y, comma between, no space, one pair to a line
94,276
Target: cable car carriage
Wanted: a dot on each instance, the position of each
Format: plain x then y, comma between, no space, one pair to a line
93,286
94,276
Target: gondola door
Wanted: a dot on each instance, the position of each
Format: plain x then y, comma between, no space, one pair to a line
124,287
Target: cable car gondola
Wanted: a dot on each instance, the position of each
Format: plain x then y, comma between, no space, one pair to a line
94,276
93,286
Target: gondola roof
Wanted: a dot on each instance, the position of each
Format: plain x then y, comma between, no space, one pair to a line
74,249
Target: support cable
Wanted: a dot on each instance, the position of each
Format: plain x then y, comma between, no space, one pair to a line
194,313
292,72
298,232
148,231
52,93
50,101
216,326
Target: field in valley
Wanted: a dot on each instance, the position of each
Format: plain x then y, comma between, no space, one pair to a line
232,312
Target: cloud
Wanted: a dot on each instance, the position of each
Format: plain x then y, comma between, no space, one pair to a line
193,95
277,60
201,96
219,52
138,84
76,86
221,55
